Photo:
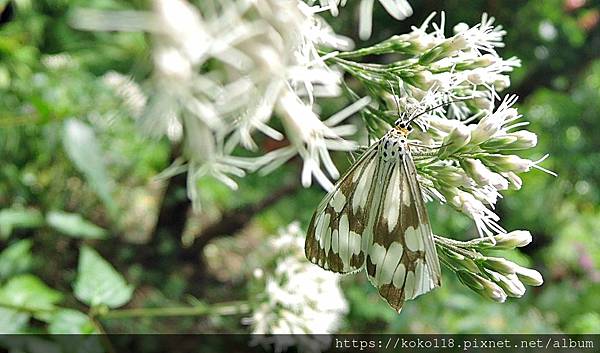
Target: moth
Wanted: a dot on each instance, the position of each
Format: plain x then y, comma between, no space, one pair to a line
375,218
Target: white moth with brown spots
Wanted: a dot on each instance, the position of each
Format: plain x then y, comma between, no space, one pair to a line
375,218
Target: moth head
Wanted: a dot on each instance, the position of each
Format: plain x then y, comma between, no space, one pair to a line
403,129
402,125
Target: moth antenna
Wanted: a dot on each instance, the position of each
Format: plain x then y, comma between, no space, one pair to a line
395,98
434,108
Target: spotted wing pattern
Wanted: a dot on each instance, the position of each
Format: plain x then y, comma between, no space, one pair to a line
401,259
334,236
375,216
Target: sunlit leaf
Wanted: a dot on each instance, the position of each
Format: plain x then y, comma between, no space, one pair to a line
74,225
12,218
98,283
30,293
12,321
15,259
68,321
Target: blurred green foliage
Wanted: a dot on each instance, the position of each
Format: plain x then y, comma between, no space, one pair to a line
77,175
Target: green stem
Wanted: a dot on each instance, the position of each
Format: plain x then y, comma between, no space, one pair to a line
99,328
470,244
456,246
229,308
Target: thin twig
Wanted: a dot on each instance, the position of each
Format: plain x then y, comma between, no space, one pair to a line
228,308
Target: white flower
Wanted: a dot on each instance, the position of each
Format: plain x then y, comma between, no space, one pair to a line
484,36
264,56
312,139
496,122
486,221
298,298
399,9
471,49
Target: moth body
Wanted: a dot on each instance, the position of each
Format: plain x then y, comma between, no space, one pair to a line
375,219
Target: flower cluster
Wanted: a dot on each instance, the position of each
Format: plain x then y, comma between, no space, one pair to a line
492,277
464,68
476,162
294,297
223,71
465,148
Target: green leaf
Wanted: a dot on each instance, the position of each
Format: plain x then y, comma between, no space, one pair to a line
12,321
11,218
83,149
74,225
15,259
68,321
98,282
30,293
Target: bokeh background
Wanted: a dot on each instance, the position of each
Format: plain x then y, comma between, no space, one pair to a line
58,194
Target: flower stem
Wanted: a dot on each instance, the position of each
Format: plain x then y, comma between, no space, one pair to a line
229,308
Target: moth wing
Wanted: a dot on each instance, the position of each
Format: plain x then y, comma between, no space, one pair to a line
402,262
334,238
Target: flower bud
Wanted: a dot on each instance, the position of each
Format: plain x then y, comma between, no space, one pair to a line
523,140
445,125
491,124
498,182
478,171
423,79
483,103
486,60
451,175
460,261
450,193
445,49
529,276
431,55
510,163
419,42
482,175
483,286
493,291
501,82
396,43
424,137
497,143
501,265
456,139
455,43
514,180
470,280
476,77
460,27
509,283
514,239
465,202
486,128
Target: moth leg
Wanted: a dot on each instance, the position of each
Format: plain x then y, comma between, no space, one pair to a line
424,155
425,146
